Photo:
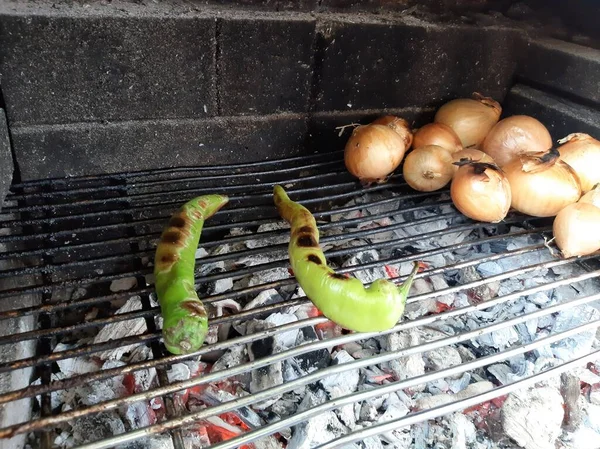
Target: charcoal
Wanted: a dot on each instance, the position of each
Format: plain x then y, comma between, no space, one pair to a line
372,443
441,399
442,358
318,429
287,339
571,392
234,356
96,427
456,385
261,241
405,367
343,383
463,431
499,339
121,329
123,284
74,366
533,417
581,343
265,298
103,390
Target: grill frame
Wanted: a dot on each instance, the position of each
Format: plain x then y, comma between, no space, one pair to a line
125,186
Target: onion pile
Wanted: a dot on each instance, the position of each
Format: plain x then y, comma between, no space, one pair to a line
516,135
470,118
481,191
542,184
428,168
437,134
592,197
374,151
582,152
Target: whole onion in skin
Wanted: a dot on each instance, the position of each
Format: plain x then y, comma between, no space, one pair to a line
428,168
582,152
470,118
481,191
437,134
542,184
399,125
576,229
373,152
515,135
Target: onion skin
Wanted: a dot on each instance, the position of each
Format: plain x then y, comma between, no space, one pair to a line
582,152
481,191
541,184
437,134
428,168
470,118
473,155
373,152
515,135
577,229
592,197
399,125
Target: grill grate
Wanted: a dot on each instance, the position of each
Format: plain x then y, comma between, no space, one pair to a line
64,244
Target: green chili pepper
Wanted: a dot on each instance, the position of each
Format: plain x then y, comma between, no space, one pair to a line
343,300
185,320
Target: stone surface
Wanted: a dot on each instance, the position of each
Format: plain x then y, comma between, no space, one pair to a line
375,63
6,160
560,116
80,149
265,65
62,68
563,66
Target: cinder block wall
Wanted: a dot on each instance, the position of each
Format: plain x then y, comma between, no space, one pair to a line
126,86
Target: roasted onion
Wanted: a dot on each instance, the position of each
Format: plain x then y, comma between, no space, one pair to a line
473,155
577,229
592,196
481,191
399,125
373,152
516,135
542,184
582,152
428,168
470,118
437,134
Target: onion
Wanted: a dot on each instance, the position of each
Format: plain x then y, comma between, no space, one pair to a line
592,197
542,184
481,191
516,135
470,118
428,168
399,125
582,152
577,229
437,134
373,152
473,155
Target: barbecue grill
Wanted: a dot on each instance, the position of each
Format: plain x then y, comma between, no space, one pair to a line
162,102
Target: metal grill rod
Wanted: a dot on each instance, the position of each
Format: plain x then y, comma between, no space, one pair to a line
38,389
89,349
196,168
455,406
265,394
400,385
310,378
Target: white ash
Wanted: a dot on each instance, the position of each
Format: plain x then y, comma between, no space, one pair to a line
264,298
73,366
442,358
422,306
267,276
105,389
123,284
580,343
97,426
427,402
463,431
342,384
366,275
121,329
259,241
409,366
533,417
316,430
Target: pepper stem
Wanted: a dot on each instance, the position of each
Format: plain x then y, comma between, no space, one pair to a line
404,288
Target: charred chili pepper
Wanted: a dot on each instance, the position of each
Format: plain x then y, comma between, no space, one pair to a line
343,300
185,320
